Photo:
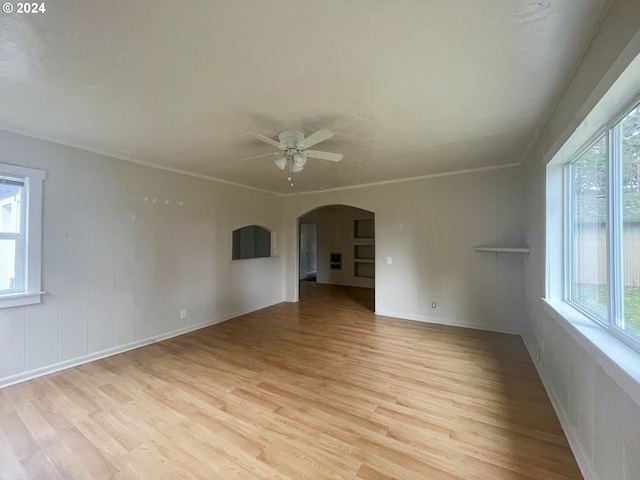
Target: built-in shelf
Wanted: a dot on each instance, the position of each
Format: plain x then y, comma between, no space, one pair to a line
502,249
364,249
364,269
364,260
363,228
364,252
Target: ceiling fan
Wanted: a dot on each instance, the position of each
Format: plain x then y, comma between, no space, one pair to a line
294,148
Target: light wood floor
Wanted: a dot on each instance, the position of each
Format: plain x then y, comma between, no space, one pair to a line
308,390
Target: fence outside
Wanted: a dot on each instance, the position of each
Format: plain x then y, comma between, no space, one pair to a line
591,250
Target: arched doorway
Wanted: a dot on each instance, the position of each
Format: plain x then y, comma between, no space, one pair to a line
336,256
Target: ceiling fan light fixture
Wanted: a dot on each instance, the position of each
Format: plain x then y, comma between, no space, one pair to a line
281,162
300,160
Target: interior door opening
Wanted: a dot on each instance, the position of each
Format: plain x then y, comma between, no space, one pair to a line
308,252
337,255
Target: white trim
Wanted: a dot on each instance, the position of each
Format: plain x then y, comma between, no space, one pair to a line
582,458
409,179
196,175
22,172
618,85
502,249
567,156
56,367
555,231
20,299
449,322
126,158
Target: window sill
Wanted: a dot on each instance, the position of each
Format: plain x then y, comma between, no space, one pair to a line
233,260
20,299
618,359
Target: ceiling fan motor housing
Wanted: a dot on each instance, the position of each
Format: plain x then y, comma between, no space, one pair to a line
290,138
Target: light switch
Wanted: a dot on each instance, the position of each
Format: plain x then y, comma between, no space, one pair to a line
389,260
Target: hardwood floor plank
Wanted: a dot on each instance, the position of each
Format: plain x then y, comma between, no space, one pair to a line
75,457
39,467
11,466
17,438
299,459
319,389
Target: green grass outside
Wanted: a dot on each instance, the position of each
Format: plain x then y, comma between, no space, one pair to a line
595,298
632,310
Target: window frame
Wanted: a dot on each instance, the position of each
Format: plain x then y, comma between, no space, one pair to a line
614,231
31,242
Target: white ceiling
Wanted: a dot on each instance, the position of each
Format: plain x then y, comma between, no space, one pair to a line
409,87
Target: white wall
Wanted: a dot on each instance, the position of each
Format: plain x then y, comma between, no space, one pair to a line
600,418
122,256
334,234
429,227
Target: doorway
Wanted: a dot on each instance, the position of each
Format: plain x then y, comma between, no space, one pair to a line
308,252
336,257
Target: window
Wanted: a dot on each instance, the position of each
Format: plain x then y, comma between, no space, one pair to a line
252,241
588,250
603,244
12,239
20,235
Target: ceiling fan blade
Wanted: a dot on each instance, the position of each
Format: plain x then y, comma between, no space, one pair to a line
311,140
332,157
272,154
264,139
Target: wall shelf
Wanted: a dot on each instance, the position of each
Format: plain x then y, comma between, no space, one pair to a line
363,228
365,270
364,249
502,249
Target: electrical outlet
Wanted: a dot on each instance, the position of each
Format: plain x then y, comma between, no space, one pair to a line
433,304
183,314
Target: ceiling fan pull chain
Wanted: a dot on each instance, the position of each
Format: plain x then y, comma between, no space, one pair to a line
291,171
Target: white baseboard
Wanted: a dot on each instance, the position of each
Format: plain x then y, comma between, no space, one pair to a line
56,367
450,322
584,463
